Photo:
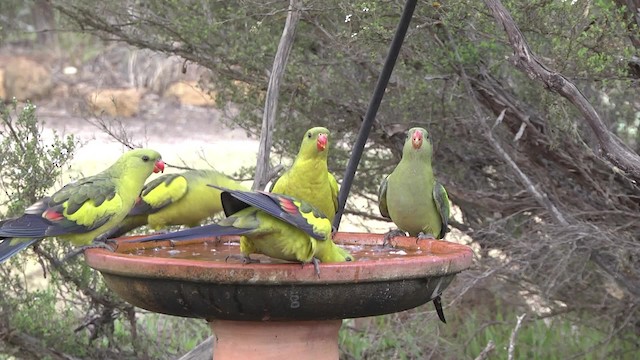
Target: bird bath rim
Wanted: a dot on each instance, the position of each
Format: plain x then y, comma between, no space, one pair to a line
441,258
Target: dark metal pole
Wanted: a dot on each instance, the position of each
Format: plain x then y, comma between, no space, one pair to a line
374,104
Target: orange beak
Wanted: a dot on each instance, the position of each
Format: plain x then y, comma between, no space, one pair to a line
416,140
159,167
322,142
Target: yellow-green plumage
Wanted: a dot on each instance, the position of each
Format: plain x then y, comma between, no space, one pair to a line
275,238
410,195
272,237
178,199
275,225
83,210
309,178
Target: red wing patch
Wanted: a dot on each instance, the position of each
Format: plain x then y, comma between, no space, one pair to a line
52,215
289,206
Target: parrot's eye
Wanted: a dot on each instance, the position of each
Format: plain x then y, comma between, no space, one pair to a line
309,135
145,158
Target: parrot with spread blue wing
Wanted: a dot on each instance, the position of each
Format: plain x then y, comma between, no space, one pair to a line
412,198
178,199
275,225
83,211
309,178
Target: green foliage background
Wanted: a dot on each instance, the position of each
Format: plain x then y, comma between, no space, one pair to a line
338,52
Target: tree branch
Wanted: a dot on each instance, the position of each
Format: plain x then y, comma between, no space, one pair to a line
273,92
484,354
612,147
514,335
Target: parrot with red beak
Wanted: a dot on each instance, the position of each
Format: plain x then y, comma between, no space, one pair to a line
309,178
412,198
83,211
177,199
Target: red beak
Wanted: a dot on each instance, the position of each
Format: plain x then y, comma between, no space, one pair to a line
416,140
159,167
322,142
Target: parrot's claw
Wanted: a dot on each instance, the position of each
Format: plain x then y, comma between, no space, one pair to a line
437,302
423,236
334,230
244,258
316,266
95,245
390,235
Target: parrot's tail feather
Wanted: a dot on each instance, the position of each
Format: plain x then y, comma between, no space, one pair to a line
26,226
7,249
194,233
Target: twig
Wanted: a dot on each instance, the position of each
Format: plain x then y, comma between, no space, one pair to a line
366,215
540,197
484,354
626,283
273,92
514,334
203,351
31,345
118,133
69,277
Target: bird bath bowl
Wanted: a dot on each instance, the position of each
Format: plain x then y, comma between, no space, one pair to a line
277,309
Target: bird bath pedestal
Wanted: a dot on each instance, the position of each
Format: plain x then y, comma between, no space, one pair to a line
279,310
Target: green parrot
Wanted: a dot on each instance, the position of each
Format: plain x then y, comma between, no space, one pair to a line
412,198
309,178
83,211
275,225
177,199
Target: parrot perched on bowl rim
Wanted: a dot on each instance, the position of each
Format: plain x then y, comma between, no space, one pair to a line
309,179
412,198
82,212
177,199
275,225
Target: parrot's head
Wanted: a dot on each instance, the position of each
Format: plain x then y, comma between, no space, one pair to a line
140,162
315,141
419,141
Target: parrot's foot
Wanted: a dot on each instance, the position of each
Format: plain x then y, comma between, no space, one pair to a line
390,235
246,259
427,236
95,245
105,239
437,302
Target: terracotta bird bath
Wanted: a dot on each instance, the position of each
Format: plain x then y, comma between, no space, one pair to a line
275,309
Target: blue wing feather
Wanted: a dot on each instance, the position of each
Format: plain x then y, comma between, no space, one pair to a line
269,203
194,233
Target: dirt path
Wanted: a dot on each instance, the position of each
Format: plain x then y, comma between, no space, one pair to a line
183,134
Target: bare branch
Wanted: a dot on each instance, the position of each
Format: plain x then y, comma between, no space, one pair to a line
273,92
541,197
514,335
484,354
